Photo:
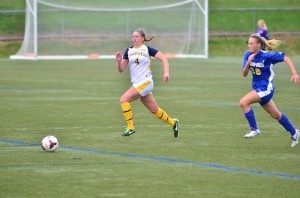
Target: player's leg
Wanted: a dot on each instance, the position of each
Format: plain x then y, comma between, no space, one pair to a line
151,104
271,108
130,95
245,103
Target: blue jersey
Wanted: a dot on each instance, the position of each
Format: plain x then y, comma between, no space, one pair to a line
261,68
263,33
262,64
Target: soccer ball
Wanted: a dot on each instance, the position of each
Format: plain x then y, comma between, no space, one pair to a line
50,143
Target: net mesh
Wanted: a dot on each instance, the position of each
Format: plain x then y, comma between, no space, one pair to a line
93,29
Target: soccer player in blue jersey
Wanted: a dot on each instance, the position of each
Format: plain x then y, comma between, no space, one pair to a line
260,63
138,57
262,29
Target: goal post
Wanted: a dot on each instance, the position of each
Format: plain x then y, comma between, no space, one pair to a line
92,29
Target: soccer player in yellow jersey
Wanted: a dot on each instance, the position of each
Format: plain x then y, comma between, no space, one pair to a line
138,57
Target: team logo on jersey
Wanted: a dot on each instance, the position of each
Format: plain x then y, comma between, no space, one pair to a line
137,54
253,64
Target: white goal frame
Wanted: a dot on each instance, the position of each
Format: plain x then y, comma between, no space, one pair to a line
31,30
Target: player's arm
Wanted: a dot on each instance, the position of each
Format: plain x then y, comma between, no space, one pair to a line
291,66
165,62
247,65
122,63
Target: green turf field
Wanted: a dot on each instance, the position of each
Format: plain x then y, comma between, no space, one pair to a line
78,102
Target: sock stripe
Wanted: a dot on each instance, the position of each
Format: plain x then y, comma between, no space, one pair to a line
127,111
161,115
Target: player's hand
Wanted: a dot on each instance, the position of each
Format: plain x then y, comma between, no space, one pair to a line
295,78
118,56
166,77
250,58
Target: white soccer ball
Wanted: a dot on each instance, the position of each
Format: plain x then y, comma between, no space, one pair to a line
50,143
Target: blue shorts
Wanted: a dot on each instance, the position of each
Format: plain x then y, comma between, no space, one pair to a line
265,93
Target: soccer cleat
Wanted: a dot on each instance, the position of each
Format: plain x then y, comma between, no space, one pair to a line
128,132
175,127
295,138
252,133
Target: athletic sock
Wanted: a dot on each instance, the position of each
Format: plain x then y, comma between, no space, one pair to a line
126,107
284,121
162,115
251,119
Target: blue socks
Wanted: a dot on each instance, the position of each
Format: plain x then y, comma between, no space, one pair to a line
284,121
251,119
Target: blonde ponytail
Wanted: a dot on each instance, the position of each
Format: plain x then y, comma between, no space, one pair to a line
268,45
271,44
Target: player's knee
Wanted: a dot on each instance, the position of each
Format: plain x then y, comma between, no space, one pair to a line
276,115
122,100
153,110
243,103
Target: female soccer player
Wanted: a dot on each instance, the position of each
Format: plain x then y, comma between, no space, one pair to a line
261,63
262,29
139,59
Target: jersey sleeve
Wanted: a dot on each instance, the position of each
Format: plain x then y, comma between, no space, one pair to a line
152,51
125,55
276,57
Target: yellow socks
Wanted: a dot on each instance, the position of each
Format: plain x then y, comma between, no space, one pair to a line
127,114
162,115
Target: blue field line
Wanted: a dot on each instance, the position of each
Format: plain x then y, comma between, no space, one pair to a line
162,159
237,105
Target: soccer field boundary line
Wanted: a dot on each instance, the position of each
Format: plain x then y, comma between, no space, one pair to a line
163,159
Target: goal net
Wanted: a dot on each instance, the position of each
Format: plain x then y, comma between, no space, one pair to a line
76,29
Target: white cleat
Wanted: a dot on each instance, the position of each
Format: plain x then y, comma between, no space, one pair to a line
252,133
295,138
